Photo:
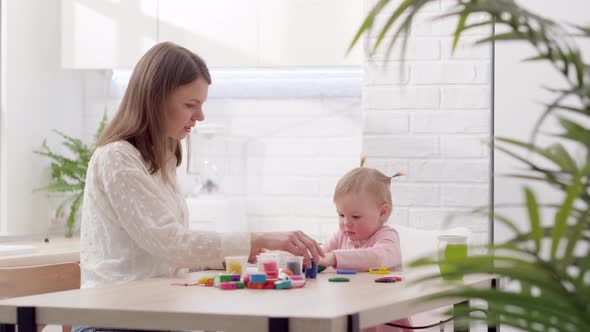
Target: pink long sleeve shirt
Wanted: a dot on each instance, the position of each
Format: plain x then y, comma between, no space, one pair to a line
382,249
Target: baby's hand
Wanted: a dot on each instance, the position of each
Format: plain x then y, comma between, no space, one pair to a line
328,260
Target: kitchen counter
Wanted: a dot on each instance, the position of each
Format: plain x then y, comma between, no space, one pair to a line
37,252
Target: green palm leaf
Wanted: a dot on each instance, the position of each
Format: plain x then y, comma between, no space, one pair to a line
562,215
535,219
550,263
556,153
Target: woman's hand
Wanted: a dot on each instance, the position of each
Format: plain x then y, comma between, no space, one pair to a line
295,242
328,260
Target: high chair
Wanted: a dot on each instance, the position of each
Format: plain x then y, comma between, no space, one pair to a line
33,280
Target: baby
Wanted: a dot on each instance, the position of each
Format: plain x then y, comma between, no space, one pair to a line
363,202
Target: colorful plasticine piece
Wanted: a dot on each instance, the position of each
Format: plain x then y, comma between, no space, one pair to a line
321,268
380,270
340,279
228,285
255,285
252,281
396,278
225,278
216,281
282,284
204,280
313,271
270,267
258,278
270,283
346,271
390,278
294,267
234,267
287,271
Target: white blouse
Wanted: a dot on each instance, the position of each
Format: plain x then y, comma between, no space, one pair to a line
135,225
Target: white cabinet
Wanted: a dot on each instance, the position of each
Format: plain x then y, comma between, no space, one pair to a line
223,32
309,32
264,33
229,33
99,34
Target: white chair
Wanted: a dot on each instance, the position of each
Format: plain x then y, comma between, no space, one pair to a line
416,243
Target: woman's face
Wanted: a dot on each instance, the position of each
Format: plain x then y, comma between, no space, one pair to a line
184,107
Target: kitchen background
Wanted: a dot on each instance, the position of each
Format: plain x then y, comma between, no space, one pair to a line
288,113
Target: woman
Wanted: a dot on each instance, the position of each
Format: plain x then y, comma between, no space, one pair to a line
134,220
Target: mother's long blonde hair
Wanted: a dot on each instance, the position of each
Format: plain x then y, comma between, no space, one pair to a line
140,117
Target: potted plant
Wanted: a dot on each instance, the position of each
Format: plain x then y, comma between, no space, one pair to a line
68,173
550,265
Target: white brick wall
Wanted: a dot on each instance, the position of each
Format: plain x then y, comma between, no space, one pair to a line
450,122
281,156
430,117
395,97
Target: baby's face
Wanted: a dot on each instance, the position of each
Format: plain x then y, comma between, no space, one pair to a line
359,216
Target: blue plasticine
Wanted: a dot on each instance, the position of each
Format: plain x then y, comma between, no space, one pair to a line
258,278
313,271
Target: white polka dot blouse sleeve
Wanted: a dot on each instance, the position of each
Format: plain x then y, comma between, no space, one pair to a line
135,225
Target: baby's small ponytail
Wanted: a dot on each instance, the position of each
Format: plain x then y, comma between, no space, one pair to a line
363,159
396,175
382,176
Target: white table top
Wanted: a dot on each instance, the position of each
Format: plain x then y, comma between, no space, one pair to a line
155,303
30,253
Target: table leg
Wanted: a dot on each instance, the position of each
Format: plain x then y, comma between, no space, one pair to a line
278,325
6,327
493,327
461,324
353,323
25,319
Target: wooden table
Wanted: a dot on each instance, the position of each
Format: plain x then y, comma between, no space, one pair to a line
57,250
156,304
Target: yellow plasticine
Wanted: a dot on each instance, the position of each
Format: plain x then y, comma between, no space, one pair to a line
204,280
234,267
381,270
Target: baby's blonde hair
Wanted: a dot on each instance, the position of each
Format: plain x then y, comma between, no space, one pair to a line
366,180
